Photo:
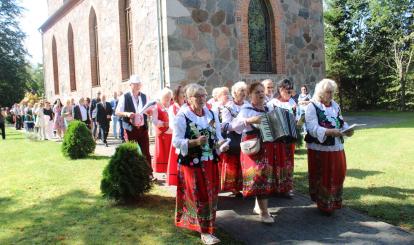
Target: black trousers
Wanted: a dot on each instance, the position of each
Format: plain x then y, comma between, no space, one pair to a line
104,130
3,131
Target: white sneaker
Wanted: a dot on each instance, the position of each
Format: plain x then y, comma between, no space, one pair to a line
209,239
268,219
256,210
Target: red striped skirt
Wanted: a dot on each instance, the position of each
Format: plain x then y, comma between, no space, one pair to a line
172,167
284,167
327,172
197,196
231,173
162,150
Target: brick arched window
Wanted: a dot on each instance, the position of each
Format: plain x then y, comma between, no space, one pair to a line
94,48
125,24
55,66
260,38
261,43
71,52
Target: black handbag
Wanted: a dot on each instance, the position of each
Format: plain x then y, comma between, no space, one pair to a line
234,146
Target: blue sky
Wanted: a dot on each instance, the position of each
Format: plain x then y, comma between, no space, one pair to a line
34,15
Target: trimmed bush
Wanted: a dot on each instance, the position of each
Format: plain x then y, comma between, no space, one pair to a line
78,141
127,176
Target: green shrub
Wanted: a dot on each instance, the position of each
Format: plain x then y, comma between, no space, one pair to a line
78,141
127,176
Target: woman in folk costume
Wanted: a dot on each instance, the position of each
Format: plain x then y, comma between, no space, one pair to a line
231,173
284,150
326,155
196,134
257,167
179,100
163,132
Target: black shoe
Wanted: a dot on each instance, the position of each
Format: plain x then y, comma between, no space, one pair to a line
106,144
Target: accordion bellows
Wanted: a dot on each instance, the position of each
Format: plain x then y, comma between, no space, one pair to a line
278,125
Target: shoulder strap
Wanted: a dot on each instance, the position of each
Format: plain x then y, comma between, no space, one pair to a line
234,115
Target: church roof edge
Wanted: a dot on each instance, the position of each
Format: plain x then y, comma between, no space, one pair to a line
58,14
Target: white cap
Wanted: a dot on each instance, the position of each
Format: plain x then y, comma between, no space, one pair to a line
135,79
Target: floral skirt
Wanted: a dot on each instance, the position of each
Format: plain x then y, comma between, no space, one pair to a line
258,171
197,196
231,173
327,172
162,150
172,167
284,167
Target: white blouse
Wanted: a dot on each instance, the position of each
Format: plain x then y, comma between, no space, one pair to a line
288,105
317,131
179,126
227,116
239,124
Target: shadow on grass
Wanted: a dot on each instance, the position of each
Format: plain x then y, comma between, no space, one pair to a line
78,217
361,174
95,157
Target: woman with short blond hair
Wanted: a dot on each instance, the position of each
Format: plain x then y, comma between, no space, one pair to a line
326,155
196,135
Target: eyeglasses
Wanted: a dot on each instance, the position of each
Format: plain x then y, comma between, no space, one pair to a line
199,96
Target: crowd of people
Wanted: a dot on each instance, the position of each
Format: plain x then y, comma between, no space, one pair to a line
198,143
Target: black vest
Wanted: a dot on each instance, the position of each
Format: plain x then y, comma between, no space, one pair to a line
322,121
129,107
193,158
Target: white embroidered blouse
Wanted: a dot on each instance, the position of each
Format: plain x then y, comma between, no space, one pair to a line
317,131
239,124
179,127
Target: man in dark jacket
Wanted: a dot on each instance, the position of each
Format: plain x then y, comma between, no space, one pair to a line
92,114
80,112
103,117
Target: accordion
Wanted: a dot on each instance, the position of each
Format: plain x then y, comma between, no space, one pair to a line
278,125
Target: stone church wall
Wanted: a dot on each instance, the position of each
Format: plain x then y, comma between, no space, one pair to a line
206,38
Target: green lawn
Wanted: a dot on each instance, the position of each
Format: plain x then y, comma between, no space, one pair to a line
47,199
380,176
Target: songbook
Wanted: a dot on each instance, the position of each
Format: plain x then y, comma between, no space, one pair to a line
354,126
147,107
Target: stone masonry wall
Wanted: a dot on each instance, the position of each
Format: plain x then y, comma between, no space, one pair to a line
206,38
145,48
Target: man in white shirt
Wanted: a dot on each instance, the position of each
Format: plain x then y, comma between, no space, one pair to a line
135,125
269,89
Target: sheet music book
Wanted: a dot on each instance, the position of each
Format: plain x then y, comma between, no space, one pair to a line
354,126
147,106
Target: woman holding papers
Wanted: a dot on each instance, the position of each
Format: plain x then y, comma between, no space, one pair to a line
163,132
231,173
196,135
326,156
258,165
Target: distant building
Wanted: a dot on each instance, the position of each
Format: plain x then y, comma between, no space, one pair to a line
94,45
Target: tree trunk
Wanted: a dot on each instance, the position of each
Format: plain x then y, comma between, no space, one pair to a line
402,82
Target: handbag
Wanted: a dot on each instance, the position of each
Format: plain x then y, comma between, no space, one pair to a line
235,140
250,146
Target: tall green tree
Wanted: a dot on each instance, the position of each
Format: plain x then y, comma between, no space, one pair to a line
35,84
13,73
362,39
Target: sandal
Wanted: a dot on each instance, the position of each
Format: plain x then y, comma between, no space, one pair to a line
209,239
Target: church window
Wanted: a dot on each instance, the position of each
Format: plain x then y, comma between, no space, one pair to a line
260,37
94,48
55,66
125,21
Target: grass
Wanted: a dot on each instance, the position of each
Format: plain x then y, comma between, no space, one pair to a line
380,176
48,199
